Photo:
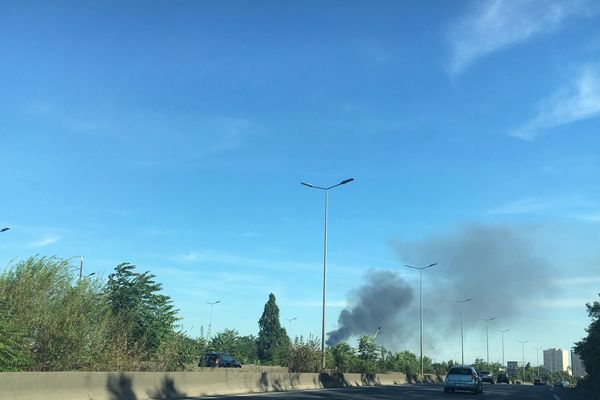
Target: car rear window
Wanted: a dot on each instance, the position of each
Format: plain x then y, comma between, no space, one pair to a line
460,371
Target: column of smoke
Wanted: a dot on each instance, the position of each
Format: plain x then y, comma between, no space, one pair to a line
376,303
494,265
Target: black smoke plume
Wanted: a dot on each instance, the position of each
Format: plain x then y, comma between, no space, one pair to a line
377,303
497,266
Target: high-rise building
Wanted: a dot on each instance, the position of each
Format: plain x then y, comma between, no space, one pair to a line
577,365
556,360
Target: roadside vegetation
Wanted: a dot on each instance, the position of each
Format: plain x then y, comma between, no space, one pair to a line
52,320
589,350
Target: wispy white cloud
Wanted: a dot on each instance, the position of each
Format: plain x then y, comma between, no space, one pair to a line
571,206
212,256
45,240
576,280
495,24
589,217
578,101
249,234
524,206
318,303
563,303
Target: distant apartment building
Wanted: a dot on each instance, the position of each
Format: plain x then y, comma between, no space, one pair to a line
556,360
577,365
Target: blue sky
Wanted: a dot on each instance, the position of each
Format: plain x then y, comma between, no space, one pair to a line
174,135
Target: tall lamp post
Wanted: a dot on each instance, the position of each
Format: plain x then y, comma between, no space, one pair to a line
503,332
210,320
421,305
80,265
6,228
289,320
326,190
487,337
537,360
462,341
523,356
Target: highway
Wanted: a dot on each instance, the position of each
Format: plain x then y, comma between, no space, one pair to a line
420,392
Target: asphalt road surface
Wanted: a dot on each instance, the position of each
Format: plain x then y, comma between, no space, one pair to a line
421,392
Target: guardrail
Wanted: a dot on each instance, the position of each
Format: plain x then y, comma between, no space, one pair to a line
171,385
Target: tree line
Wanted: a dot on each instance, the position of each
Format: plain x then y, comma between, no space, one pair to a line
51,320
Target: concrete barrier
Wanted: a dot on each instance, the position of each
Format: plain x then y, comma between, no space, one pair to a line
170,385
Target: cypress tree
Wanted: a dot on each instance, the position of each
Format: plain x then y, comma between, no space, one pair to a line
272,338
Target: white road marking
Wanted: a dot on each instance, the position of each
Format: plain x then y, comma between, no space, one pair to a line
556,397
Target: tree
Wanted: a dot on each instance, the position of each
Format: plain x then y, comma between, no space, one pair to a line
304,356
55,321
589,347
135,301
227,341
406,362
272,338
344,357
179,353
248,351
367,354
480,365
14,352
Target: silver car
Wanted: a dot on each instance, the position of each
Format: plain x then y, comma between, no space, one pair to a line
463,378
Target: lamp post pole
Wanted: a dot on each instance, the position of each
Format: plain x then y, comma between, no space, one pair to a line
421,306
487,337
462,341
80,266
210,320
326,190
289,320
537,360
503,332
523,356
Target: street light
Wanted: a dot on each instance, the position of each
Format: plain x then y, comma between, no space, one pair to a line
421,305
537,360
523,355
210,321
502,332
462,341
289,320
6,228
487,336
80,265
326,190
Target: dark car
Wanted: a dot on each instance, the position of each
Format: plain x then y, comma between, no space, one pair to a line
502,378
486,376
219,360
463,378
538,381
